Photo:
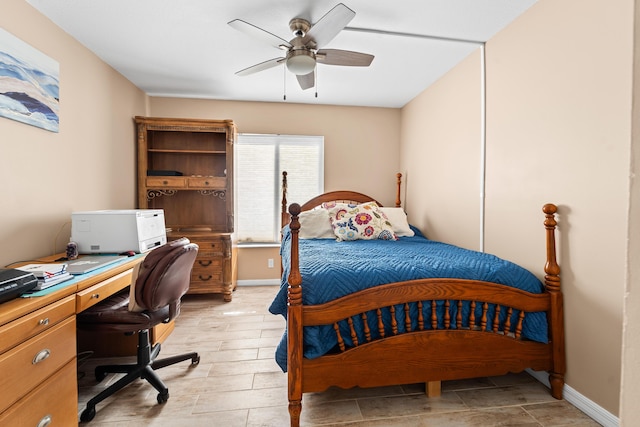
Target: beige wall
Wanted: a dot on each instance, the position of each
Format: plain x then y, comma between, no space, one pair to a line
573,125
631,330
253,265
441,146
89,164
558,130
361,149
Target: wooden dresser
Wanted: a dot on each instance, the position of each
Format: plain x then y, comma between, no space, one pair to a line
38,380
214,270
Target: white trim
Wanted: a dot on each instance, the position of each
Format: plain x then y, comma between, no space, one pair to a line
259,282
589,407
250,245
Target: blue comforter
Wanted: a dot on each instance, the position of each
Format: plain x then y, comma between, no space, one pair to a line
333,269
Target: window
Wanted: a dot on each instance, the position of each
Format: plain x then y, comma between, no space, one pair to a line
260,160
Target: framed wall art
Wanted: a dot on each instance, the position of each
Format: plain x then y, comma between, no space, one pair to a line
29,84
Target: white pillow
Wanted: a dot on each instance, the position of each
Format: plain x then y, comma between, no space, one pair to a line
315,224
398,219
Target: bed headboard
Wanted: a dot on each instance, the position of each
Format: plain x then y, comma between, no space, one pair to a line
337,196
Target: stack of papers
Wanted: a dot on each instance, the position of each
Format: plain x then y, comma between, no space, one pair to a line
47,274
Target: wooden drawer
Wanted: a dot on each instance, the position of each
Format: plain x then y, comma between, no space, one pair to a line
204,277
207,263
209,248
30,363
167,182
96,293
39,321
207,182
160,332
52,403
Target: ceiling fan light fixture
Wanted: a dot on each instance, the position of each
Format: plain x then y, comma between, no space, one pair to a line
301,62
306,47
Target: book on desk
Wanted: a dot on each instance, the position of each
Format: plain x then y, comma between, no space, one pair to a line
47,274
44,271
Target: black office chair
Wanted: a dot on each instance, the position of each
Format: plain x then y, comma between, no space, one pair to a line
163,278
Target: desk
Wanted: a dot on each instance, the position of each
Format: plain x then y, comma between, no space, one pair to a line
38,384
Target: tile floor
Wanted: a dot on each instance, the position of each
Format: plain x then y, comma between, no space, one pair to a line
237,383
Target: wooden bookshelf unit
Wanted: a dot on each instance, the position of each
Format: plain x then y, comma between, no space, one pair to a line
185,167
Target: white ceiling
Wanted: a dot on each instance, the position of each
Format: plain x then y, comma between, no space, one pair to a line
186,49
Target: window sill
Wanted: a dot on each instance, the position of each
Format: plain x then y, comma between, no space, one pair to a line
258,245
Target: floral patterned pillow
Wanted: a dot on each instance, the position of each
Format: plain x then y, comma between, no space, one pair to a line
364,221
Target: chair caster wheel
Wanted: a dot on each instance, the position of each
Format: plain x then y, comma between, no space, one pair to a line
88,414
163,397
195,360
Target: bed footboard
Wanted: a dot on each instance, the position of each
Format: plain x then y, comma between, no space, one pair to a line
423,331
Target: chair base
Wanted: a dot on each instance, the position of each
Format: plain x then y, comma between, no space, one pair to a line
144,368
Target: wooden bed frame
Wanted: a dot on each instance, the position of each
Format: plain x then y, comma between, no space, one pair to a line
422,355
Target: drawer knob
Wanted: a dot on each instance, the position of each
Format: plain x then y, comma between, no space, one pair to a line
40,356
95,296
45,421
204,279
205,263
44,321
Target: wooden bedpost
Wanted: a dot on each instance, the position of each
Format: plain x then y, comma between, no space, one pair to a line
556,319
294,323
398,185
284,216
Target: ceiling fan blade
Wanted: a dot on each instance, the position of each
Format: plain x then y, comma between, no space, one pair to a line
261,66
259,33
307,81
343,57
323,31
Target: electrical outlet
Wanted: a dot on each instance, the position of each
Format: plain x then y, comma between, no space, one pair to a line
270,263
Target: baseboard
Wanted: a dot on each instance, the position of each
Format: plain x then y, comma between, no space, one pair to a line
259,282
589,407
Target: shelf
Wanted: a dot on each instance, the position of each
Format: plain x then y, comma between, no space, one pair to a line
179,151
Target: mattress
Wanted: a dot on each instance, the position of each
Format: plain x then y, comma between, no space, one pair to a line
332,269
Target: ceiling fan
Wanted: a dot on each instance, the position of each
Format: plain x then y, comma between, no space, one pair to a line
304,51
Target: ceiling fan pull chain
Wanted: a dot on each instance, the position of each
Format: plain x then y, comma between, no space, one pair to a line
317,75
284,85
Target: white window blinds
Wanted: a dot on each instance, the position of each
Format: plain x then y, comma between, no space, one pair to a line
260,160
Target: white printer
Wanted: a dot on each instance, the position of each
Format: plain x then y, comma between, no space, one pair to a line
117,231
